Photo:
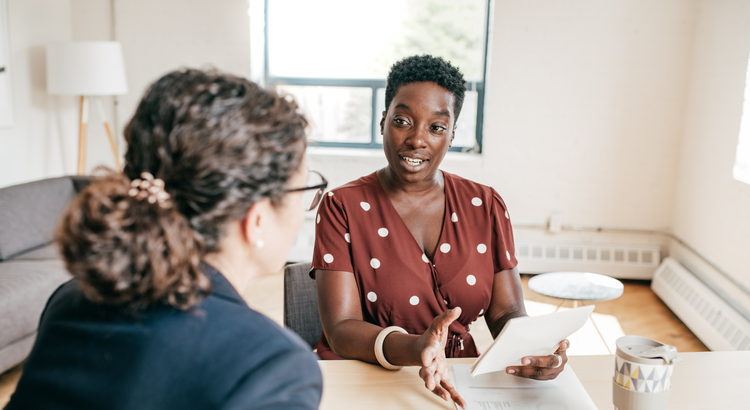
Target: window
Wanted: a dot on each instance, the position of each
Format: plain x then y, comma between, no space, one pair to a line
333,56
742,162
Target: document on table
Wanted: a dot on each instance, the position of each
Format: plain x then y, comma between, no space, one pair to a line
530,336
499,390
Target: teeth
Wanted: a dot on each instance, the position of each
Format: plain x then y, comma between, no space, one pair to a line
412,161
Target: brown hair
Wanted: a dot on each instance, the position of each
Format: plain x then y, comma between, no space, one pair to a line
220,143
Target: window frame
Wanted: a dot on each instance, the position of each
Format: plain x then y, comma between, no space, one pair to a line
374,85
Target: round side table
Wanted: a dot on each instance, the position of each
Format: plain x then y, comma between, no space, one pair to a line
578,287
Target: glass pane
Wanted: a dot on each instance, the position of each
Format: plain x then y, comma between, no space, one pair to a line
466,126
467,121
379,108
362,39
336,114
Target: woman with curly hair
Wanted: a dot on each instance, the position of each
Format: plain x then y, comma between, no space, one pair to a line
409,256
210,200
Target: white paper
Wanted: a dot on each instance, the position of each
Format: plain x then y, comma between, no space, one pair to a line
530,336
500,390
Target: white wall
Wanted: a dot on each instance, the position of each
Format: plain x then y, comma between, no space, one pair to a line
161,36
157,36
43,140
91,20
712,212
584,111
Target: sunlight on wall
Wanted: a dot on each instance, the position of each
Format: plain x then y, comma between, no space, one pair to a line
742,163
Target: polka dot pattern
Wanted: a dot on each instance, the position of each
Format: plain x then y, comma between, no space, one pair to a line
463,250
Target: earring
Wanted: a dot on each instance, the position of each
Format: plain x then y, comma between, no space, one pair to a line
260,243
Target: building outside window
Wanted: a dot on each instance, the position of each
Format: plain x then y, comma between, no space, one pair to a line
333,56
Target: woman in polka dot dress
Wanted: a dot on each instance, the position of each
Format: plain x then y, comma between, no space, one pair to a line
416,247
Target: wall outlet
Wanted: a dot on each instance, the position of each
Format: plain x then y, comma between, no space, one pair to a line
555,222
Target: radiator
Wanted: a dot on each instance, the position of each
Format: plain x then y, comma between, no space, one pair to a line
709,317
620,261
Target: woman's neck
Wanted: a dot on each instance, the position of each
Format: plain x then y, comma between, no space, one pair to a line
392,184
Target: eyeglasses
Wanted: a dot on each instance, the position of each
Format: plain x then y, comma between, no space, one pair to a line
313,192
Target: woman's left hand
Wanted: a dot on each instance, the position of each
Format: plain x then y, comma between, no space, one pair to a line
542,367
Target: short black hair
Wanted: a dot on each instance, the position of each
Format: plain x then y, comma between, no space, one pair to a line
416,69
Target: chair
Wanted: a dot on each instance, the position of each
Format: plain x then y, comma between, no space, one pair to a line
301,303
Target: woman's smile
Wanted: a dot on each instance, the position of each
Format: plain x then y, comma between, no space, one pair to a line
413,163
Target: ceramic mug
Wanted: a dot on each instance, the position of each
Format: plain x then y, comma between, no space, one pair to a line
643,373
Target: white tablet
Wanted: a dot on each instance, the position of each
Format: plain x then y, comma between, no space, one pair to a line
530,336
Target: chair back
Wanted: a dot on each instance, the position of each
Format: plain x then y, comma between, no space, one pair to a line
301,303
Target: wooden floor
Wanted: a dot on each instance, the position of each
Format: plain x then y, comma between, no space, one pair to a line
637,312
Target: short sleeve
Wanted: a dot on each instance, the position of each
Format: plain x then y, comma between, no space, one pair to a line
332,239
504,249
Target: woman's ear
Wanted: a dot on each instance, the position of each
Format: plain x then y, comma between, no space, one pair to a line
255,224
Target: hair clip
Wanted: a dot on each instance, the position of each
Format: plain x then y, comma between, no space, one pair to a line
151,189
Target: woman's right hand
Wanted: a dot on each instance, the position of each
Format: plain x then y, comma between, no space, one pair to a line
434,369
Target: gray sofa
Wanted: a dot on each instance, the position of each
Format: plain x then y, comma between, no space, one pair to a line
30,268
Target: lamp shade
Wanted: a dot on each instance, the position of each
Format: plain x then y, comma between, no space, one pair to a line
86,68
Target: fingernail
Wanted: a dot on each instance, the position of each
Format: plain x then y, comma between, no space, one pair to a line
511,371
526,362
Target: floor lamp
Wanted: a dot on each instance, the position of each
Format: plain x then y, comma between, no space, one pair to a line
88,69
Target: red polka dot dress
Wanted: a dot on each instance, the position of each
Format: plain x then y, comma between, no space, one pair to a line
358,230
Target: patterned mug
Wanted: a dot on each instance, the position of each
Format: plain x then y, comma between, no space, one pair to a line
643,373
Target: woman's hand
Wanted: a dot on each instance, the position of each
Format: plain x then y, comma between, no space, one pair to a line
542,367
434,369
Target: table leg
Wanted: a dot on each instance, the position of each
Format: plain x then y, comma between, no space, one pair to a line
559,305
591,318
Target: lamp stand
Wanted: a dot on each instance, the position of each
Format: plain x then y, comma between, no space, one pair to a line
83,120
82,125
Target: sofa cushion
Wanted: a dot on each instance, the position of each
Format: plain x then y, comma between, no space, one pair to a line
25,287
46,252
30,213
15,352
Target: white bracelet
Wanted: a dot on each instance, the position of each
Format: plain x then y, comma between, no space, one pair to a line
379,346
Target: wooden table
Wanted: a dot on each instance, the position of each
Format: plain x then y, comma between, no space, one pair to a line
709,380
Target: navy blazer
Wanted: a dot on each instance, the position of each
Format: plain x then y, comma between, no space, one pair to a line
219,355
